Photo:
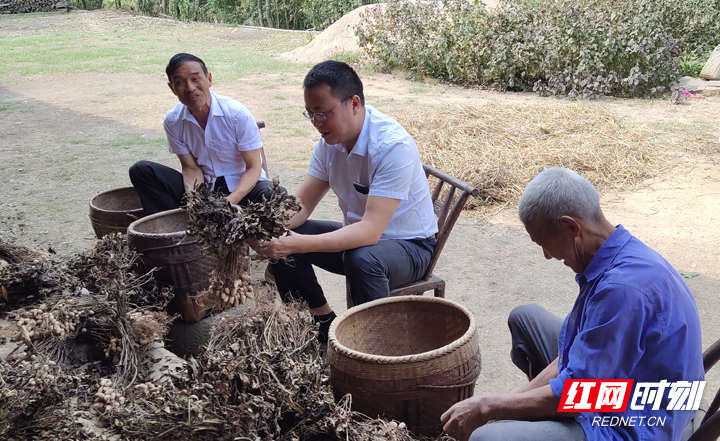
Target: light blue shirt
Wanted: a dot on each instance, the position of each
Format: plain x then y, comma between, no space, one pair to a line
386,159
634,318
230,129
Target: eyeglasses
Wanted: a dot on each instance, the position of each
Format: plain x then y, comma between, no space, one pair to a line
322,116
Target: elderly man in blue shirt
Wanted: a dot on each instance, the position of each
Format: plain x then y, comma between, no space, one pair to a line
634,318
373,165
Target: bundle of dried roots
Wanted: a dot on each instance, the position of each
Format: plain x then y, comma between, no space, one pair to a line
96,305
27,275
35,399
260,377
225,231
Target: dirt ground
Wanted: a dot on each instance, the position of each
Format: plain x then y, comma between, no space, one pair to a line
64,138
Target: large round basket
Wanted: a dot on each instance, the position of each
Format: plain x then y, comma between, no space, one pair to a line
113,210
407,358
164,243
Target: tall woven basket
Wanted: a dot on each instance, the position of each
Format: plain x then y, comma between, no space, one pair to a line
162,241
407,358
113,211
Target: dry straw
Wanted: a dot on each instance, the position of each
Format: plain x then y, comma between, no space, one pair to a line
498,148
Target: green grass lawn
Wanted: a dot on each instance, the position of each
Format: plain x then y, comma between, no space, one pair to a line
138,48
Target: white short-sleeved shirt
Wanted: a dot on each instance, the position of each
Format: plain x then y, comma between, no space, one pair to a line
230,129
386,159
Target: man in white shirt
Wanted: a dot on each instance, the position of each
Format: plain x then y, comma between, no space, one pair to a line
216,139
372,164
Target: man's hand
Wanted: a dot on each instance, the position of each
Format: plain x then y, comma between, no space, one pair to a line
280,247
461,419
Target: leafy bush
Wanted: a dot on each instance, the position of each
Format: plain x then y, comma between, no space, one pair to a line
576,48
692,64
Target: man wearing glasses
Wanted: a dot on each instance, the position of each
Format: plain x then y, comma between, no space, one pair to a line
373,165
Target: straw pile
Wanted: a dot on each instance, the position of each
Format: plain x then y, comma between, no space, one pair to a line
499,148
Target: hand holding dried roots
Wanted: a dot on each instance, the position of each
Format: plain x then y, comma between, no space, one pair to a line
220,224
224,230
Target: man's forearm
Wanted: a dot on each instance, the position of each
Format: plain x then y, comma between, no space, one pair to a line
247,182
357,235
543,378
192,178
539,402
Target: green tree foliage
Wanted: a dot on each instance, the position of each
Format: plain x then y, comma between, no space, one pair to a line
575,48
282,14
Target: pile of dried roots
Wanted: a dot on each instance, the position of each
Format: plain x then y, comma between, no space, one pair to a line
260,377
93,308
225,231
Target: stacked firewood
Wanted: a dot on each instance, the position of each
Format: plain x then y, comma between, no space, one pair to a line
25,6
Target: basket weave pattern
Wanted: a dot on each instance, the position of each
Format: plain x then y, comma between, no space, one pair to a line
408,358
163,243
113,211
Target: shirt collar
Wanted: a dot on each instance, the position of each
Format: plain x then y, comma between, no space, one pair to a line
606,254
215,109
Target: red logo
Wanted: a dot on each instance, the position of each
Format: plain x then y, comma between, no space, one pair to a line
595,396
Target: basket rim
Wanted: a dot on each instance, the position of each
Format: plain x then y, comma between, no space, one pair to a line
385,359
105,210
132,232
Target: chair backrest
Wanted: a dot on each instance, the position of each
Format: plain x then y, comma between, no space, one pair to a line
710,427
448,202
261,125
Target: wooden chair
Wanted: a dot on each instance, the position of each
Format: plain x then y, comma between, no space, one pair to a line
447,206
261,125
709,428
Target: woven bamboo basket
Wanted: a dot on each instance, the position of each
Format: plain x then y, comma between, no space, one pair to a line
163,243
407,358
113,211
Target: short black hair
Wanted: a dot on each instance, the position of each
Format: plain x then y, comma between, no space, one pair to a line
341,78
179,59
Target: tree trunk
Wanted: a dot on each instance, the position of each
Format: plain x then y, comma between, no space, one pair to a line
260,12
268,13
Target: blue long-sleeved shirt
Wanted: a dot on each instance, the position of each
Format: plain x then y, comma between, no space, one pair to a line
634,318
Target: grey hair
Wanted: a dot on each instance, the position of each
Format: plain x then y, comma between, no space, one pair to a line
557,192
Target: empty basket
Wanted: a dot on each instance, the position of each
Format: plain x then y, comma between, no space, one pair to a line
113,211
407,358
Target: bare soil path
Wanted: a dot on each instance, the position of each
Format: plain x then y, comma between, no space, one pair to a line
67,136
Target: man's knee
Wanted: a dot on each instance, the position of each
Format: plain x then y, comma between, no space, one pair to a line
263,190
521,315
491,432
140,169
360,261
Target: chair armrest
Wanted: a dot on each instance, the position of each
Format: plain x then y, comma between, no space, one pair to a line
711,355
709,430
